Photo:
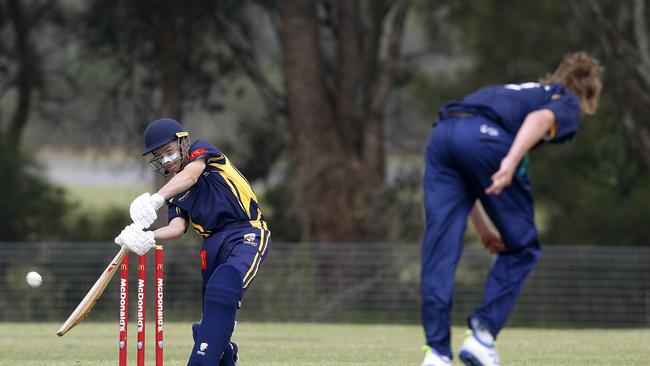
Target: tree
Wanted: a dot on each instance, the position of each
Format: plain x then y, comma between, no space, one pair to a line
180,55
158,53
337,81
622,29
32,209
20,61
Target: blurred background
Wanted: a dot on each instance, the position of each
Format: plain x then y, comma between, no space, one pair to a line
325,106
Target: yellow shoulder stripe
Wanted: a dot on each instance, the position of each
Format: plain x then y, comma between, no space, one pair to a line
239,186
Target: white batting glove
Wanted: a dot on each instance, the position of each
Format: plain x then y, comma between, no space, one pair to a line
134,239
143,209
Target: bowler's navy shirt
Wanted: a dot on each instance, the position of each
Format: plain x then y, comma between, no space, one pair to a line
510,103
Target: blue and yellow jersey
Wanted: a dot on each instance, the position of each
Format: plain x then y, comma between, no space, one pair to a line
221,197
509,104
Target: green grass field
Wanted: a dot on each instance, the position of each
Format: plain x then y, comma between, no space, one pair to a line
91,343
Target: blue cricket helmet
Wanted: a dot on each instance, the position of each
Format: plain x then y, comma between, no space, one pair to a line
161,132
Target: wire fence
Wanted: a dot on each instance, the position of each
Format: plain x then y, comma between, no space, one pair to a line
571,286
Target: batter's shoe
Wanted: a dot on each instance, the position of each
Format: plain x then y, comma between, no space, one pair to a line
433,358
230,355
473,352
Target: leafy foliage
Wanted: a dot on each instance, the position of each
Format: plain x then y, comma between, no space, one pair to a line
590,192
32,209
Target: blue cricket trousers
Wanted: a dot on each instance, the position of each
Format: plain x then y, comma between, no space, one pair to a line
242,246
462,154
230,260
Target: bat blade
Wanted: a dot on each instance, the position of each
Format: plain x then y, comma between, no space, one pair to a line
88,302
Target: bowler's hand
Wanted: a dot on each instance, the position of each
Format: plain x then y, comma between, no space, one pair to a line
503,177
492,241
143,209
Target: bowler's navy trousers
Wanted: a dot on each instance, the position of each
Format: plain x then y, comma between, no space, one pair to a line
462,154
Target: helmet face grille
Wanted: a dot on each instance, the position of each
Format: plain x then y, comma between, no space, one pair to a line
155,162
158,162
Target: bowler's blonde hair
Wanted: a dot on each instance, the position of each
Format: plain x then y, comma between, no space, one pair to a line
580,74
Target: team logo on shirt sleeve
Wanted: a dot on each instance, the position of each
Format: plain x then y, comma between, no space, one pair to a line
197,153
250,239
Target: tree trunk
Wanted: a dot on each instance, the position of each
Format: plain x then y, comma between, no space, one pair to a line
337,134
27,74
348,96
628,63
327,176
374,153
169,104
171,71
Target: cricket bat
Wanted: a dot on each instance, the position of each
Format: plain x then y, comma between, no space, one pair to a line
89,301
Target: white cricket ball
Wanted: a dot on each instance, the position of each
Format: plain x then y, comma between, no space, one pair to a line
33,279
